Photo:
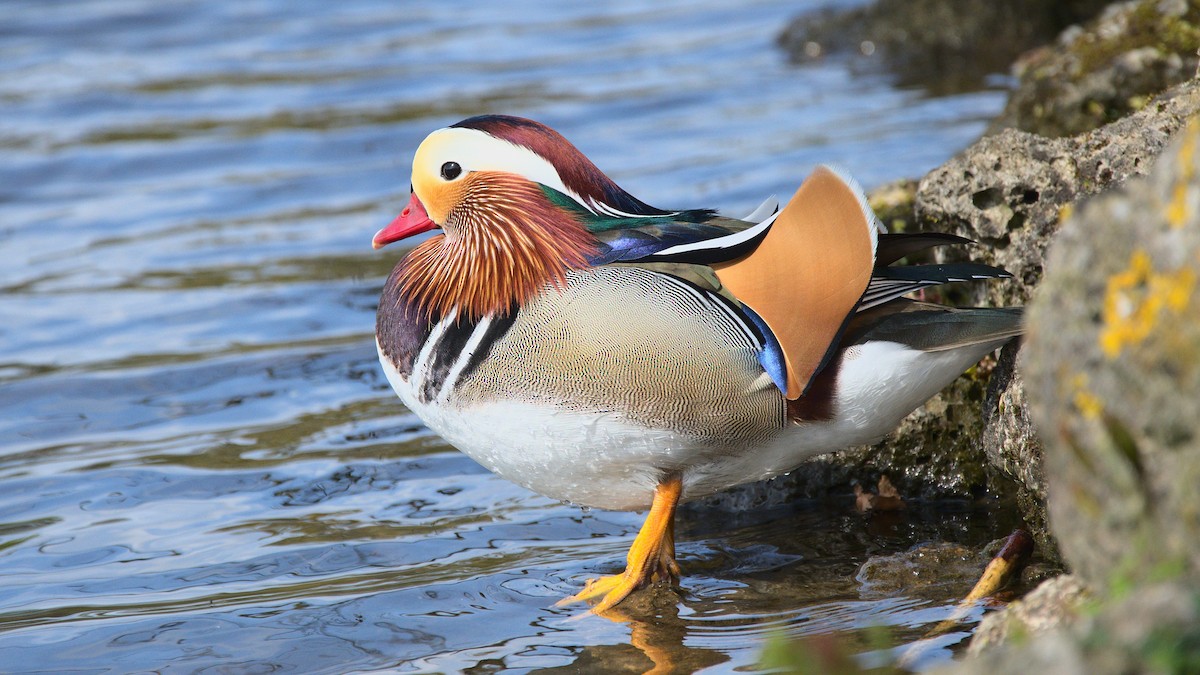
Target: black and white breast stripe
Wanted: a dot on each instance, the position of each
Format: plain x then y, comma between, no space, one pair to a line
453,350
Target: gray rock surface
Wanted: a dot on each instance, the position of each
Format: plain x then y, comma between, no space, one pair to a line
1113,366
1006,191
1156,630
1009,192
1011,446
1055,604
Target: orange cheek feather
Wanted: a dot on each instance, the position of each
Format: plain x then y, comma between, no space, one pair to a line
504,244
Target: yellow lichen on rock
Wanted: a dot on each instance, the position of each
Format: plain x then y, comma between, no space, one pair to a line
1136,297
1088,404
1065,211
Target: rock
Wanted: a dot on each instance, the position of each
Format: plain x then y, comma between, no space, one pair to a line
1113,366
1008,191
942,45
1105,70
1056,603
933,570
1011,446
1156,630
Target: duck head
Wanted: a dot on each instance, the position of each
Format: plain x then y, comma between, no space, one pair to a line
508,194
450,162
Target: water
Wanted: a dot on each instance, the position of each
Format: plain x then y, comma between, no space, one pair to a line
201,466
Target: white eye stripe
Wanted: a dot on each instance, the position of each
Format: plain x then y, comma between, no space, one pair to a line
474,150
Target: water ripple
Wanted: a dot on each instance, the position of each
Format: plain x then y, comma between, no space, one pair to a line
202,467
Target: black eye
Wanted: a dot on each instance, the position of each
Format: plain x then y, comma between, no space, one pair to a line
451,170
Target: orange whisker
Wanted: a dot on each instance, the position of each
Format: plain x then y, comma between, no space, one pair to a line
506,244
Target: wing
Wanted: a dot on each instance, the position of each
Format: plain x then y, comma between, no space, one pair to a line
889,283
697,236
804,278
933,328
688,237
798,276
893,247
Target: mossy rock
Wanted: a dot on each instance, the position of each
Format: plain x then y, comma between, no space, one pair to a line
944,46
1113,374
1105,70
1155,630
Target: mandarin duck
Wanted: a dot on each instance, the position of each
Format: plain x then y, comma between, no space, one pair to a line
598,350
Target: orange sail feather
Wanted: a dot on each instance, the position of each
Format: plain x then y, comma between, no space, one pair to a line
809,271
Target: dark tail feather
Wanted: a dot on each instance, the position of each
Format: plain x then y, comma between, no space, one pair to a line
890,283
931,327
892,247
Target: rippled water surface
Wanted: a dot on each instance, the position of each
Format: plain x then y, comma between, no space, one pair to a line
201,465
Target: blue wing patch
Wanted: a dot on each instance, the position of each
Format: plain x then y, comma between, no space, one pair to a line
692,236
771,356
640,242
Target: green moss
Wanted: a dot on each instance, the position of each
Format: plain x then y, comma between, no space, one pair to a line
893,204
1147,27
1174,648
1143,563
1057,96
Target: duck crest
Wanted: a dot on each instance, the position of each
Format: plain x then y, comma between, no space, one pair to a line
504,243
578,173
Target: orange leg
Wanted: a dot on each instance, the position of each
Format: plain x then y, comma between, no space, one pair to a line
651,557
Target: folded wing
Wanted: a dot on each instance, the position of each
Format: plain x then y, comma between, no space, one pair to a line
805,277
